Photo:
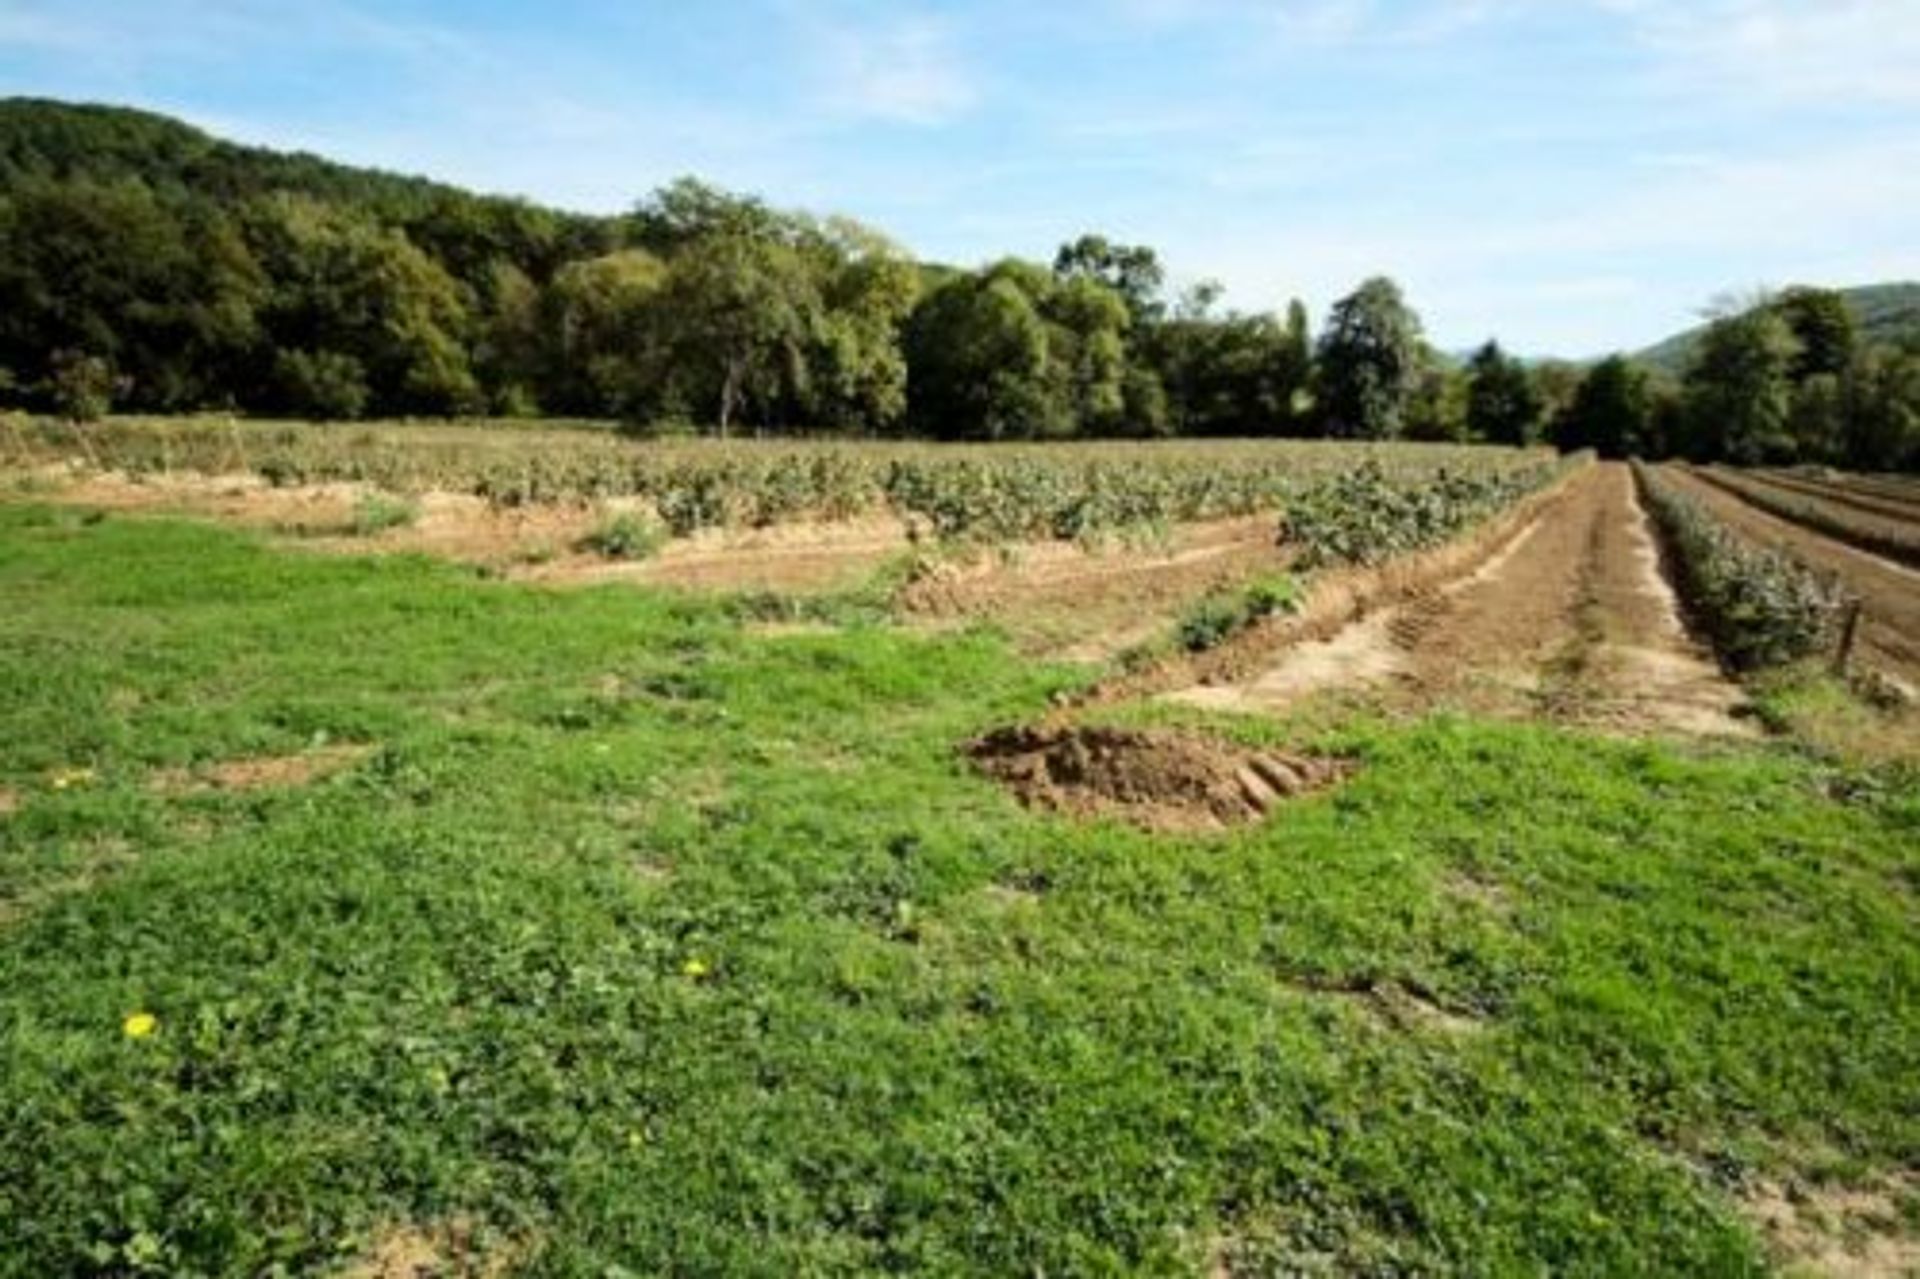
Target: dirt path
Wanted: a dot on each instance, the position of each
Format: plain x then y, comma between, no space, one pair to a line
1889,637
1572,621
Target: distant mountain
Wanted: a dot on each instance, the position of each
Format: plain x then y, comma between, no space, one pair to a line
1884,313
49,141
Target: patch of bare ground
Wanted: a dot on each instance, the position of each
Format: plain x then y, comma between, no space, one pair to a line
798,558
1088,604
1567,618
1482,894
9,801
1394,1005
1334,601
259,772
1855,1233
455,1249
1156,779
1889,634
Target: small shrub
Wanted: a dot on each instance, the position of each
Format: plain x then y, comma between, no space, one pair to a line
1271,595
1209,623
83,386
375,513
624,537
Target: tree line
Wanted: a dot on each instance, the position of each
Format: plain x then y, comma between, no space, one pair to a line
147,267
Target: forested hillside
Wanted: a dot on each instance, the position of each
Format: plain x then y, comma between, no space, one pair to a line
147,266
1882,314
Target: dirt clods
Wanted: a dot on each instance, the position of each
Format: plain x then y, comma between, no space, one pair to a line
1156,779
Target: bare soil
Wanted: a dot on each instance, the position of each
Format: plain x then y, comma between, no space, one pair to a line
449,1250
1570,619
1844,493
1158,780
260,772
1090,604
1889,636
1858,1233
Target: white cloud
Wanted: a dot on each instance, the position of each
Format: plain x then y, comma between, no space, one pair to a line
906,71
1793,50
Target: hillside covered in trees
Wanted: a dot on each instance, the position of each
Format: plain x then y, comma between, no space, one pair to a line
147,266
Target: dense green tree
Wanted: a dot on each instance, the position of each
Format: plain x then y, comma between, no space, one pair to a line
1132,271
1502,405
607,335
744,313
1369,362
1612,411
344,284
1882,414
980,361
1437,409
870,286
1822,325
167,295
1739,389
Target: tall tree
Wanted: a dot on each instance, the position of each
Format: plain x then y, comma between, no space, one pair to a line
1739,389
1823,326
1502,406
980,361
1369,362
1132,271
1611,412
745,311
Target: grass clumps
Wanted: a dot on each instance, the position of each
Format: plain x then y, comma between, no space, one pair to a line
377,513
1759,608
624,537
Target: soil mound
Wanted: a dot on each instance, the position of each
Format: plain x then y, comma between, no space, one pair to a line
1156,779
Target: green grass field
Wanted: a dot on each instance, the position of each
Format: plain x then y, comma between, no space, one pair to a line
645,942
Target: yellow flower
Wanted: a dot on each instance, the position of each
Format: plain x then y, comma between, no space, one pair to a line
67,777
140,1025
695,968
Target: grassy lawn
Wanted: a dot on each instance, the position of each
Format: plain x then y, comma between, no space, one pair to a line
641,941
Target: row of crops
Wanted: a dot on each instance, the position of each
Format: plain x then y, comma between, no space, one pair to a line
1895,537
1758,607
993,493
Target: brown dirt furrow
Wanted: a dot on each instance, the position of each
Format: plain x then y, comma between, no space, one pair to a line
1889,637
1067,602
1571,620
1904,509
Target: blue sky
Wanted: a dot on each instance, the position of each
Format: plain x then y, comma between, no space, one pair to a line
1570,175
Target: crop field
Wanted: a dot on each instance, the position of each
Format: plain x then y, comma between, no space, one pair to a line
426,850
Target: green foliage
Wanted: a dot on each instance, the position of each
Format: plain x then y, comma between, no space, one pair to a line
1218,617
322,385
82,386
1612,412
1894,539
375,513
1367,516
1758,607
1739,389
1502,406
1369,363
624,536
935,1033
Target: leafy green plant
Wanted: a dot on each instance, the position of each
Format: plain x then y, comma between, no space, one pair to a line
1367,516
1758,607
624,536
376,513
